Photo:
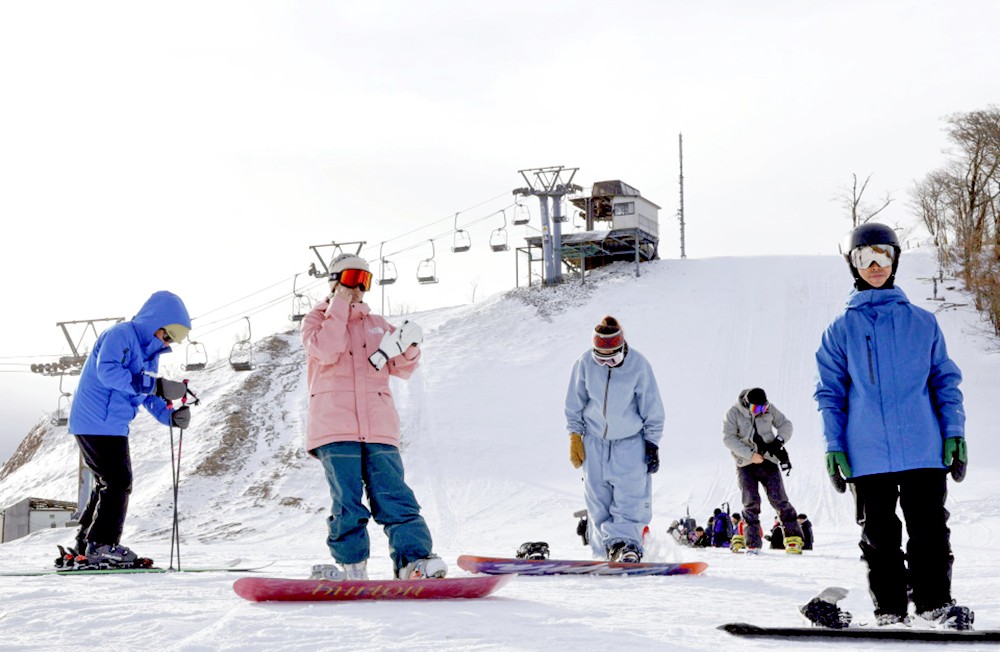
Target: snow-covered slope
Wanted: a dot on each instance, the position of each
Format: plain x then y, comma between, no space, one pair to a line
487,455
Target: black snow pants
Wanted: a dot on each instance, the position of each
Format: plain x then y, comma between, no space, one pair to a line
925,571
767,474
103,518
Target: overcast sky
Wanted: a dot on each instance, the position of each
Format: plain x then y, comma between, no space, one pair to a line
202,147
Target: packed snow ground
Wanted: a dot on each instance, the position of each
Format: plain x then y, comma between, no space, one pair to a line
487,455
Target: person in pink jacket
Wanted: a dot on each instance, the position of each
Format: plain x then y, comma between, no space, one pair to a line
353,427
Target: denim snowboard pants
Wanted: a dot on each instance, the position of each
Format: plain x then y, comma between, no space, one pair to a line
767,474
925,570
377,470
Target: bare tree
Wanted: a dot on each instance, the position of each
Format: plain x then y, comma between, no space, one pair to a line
960,205
851,199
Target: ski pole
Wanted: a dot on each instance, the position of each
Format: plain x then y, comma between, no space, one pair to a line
175,467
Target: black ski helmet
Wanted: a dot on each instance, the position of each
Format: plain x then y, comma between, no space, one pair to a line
871,233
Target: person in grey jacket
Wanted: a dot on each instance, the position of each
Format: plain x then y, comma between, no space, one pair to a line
615,419
755,433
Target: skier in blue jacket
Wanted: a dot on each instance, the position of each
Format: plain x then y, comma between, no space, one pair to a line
119,375
894,426
615,419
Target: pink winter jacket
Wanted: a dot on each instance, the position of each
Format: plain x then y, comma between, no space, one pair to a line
348,399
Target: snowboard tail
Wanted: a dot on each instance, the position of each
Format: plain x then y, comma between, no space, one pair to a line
263,589
856,632
507,565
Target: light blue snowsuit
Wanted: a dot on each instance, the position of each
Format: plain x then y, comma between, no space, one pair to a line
616,410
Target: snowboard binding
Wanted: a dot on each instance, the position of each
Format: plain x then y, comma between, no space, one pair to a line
824,612
538,550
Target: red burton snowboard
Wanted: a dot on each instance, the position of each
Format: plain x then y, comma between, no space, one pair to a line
263,589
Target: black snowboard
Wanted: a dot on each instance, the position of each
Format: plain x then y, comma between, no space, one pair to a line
968,636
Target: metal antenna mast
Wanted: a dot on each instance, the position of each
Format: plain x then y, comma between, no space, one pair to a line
549,183
680,210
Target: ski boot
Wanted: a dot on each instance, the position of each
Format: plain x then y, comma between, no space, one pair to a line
737,544
431,566
823,610
951,616
533,550
110,556
793,545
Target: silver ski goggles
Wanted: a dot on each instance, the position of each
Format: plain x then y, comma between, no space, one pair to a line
881,255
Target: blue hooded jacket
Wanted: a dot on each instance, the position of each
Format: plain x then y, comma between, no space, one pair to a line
886,387
113,383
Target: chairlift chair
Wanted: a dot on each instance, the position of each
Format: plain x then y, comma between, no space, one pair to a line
387,272
61,417
388,275
463,242
241,355
498,239
300,303
195,356
521,215
426,270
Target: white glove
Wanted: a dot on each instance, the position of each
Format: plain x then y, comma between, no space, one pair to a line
395,343
410,333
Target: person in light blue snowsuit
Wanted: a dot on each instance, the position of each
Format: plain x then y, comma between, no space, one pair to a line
615,419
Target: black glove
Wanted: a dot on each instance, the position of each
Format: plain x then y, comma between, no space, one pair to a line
181,417
776,449
169,390
652,458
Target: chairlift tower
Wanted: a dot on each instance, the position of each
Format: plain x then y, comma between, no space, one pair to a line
550,183
338,248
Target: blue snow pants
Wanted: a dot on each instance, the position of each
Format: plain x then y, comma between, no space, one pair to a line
377,470
617,490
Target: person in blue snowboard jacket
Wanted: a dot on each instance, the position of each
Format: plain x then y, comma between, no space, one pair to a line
119,375
894,426
615,419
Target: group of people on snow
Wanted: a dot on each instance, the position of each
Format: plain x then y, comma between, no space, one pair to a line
893,422
888,393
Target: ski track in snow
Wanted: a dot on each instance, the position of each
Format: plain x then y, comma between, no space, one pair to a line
486,453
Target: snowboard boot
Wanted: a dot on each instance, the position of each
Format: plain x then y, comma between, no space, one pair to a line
737,544
624,553
950,616
888,620
431,566
533,550
793,545
824,612
357,572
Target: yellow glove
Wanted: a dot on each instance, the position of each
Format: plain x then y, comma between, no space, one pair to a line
576,452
